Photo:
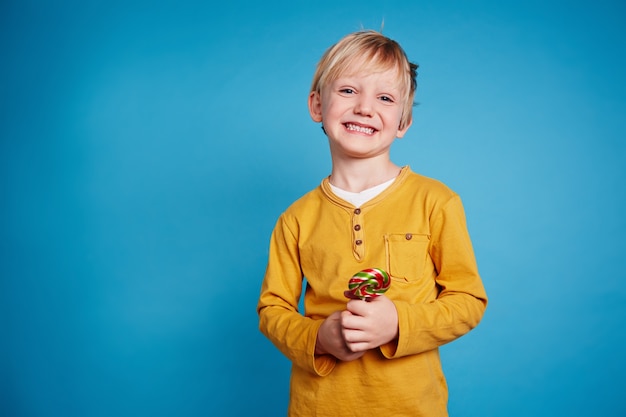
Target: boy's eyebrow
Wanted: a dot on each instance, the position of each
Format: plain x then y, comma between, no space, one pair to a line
347,78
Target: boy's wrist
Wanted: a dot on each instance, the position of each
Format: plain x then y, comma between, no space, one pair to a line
318,350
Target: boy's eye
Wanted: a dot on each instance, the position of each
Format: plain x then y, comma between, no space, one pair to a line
347,91
386,98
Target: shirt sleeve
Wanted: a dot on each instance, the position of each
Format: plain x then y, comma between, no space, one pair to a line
462,299
279,319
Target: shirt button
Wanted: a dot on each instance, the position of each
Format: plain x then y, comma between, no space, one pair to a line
408,236
357,227
357,211
358,242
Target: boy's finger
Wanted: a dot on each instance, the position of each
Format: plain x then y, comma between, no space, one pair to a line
352,337
351,321
358,307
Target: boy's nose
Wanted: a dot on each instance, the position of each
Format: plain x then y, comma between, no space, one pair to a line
363,107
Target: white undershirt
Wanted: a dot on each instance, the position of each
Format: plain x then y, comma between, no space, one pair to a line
358,199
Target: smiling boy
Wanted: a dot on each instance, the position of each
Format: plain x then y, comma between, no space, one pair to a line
358,358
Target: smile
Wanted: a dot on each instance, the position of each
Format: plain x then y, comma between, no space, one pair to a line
360,129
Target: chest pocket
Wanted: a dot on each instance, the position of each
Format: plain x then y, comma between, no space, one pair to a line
406,255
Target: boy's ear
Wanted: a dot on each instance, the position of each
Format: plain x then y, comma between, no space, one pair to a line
315,106
402,131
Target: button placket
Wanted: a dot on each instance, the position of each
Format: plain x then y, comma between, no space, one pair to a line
358,246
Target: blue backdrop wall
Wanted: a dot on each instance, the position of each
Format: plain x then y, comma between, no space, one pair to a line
147,149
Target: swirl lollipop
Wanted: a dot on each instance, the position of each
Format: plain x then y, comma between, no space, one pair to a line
368,284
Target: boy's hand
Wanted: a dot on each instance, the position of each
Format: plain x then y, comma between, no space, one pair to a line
369,324
330,340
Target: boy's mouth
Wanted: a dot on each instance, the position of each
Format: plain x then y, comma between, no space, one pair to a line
360,129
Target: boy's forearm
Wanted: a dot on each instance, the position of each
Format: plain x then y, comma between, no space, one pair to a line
295,336
428,326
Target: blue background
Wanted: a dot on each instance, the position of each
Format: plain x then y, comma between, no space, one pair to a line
147,149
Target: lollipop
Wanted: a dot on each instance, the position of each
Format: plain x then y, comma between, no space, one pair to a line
368,284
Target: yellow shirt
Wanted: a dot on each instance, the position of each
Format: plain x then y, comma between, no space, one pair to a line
416,231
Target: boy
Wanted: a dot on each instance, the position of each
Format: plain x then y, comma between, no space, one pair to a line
353,357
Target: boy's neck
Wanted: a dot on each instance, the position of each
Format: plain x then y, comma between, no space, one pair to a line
360,175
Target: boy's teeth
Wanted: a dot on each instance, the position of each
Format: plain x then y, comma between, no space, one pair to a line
356,128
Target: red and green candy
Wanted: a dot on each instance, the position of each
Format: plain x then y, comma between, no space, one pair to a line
368,284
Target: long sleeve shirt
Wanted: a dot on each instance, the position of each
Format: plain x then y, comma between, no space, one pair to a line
416,231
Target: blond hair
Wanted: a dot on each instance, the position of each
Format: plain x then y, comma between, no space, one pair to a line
377,52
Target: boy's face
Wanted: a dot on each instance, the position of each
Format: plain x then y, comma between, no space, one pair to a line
361,113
